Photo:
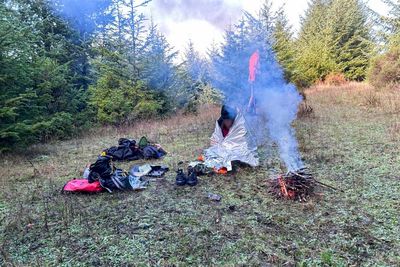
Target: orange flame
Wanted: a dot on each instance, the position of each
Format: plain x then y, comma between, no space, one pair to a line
282,184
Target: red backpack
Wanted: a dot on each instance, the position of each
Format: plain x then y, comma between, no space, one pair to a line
83,186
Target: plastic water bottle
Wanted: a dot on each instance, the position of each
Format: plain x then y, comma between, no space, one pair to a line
86,173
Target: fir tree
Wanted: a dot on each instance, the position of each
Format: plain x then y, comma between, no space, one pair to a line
391,24
313,58
283,43
348,30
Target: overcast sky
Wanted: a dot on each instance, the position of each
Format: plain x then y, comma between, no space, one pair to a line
203,21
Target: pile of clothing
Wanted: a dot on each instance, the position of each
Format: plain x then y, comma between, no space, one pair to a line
128,149
103,175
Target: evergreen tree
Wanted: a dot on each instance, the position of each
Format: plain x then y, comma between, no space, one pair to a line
392,24
334,38
348,30
115,95
230,63
314,58
145,78
385,68
194,64
134,31
194,77
268,19
44,75
156,59
283,43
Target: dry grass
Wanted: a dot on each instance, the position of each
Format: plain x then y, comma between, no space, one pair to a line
333,79
49,159
349,142
358,94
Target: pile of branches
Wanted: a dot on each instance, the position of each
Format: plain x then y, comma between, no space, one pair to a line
294,185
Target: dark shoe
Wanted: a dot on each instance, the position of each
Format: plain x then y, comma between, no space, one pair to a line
192,178
181,178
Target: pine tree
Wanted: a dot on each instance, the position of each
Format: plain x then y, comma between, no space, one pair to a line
314,58
283,43
268,19
194,77
135,32
385,68
144,83
157,62
392,24
194,64
33,86
334,38
230,63
44,75
350,37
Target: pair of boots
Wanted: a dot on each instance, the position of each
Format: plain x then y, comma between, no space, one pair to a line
183,179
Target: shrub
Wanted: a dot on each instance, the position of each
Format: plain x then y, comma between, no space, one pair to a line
336,79
385,70
204,95
118,101
60,126
305,110
147,109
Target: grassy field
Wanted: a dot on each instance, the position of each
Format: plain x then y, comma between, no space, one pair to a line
350,141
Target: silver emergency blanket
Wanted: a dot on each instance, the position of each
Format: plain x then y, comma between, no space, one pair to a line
236,146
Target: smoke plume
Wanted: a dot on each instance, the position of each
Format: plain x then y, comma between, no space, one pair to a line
84,16
276,100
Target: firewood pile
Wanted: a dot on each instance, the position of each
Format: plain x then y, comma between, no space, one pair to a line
294,185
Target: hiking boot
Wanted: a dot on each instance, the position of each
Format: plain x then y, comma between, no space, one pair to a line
192,177
181,178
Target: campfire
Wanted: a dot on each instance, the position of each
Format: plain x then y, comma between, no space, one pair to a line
295,185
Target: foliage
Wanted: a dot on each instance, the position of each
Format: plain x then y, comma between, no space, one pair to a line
116,98
229,70
284,46
385,70
335,79
196,89
334,38
350,36
391,23
76,62
53,51
42,93
156,58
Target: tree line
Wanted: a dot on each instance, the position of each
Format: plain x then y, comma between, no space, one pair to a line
68,65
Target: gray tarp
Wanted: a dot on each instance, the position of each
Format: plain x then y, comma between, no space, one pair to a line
235,146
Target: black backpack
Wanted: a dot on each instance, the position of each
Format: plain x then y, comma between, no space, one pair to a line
101,169
126,150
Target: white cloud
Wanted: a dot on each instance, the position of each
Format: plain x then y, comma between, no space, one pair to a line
203,21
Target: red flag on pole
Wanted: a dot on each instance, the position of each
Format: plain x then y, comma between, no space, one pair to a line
253,66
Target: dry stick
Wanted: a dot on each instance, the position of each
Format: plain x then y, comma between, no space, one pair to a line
318,182
329,186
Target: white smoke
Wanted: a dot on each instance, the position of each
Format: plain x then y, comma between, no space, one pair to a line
278,102
279,105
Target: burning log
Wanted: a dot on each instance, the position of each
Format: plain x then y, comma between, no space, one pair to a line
298,185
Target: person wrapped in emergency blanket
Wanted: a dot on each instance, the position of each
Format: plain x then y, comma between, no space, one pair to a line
230,142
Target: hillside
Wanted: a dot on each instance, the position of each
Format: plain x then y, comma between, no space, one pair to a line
350,141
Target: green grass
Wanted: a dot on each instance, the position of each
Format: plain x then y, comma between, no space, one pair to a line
350,146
